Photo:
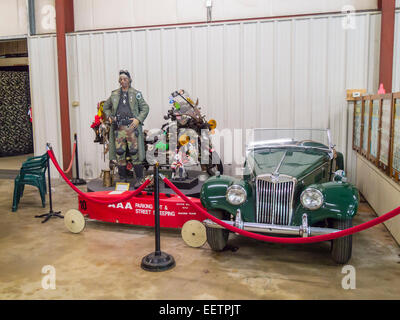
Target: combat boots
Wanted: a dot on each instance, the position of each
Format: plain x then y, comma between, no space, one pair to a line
139,172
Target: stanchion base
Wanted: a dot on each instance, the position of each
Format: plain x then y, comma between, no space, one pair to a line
78,182
160,261
49,215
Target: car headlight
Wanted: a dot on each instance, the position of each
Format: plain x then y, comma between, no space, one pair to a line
312,199
236,195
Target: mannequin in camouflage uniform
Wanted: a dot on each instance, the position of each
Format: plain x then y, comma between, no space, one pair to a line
126,110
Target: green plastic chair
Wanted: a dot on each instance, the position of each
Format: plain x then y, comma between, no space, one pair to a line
34,165
33,172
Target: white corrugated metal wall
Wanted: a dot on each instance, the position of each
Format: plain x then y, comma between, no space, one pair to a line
269,73
264,73
43,75
97,14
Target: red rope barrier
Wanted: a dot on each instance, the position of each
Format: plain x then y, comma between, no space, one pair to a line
313,239
84,195
72,159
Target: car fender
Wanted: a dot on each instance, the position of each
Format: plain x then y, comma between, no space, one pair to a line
213,196
340,202
339,161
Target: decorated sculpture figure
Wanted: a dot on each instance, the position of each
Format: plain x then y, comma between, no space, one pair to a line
178,168
101,127
190,153
118,126
126,111
98,121
185,118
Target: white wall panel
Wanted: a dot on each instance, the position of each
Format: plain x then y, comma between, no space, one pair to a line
169,63
154,96
232,91
249,75
318,65
285,7
140,64
383,194
282,71
269,73
267,99
300,93
101,14
87,64
200,49
13,18
216,107
45,16
110,59
44,95
357,57
184,49
336,85
73,93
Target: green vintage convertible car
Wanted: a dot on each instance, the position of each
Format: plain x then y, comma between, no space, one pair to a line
293,184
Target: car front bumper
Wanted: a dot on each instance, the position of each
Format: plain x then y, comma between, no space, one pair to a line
303,230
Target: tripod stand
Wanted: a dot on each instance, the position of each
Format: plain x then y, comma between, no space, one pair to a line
51,213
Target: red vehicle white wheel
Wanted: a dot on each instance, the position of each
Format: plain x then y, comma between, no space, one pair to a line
194,233
74,221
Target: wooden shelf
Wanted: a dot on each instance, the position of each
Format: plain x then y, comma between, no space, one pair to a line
11,62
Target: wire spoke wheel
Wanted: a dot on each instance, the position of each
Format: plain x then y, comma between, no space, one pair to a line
341,248
218,238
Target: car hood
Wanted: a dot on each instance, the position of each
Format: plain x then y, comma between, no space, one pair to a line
296,164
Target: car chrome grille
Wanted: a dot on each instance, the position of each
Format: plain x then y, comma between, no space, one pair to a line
274,199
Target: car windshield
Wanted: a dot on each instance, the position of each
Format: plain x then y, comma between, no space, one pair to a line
298,138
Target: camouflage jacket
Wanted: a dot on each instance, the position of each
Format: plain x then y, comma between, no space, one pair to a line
140,110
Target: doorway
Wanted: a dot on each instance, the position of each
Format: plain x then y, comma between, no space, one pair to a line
16,136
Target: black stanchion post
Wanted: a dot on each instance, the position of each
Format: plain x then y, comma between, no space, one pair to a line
157,208
158,260
77,181
51,213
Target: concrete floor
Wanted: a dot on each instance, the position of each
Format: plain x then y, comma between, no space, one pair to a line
103,262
